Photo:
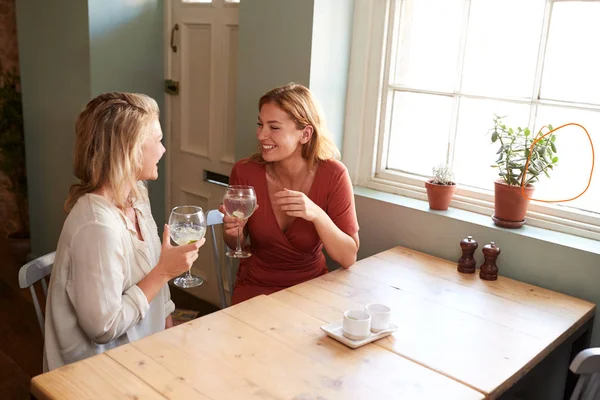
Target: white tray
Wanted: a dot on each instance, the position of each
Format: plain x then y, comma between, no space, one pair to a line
335,331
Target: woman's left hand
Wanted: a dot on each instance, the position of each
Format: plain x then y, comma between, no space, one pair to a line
297,204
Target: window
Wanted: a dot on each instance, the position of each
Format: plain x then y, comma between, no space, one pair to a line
427,77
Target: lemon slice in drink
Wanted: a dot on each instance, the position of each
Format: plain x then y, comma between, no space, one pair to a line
192,241
238,214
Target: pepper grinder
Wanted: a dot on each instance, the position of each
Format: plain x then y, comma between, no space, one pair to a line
467,263
488,270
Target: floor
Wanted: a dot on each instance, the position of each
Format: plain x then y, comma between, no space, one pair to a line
21,344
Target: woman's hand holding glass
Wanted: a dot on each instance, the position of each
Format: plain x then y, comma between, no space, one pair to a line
177,260
187,226
239,202
232,224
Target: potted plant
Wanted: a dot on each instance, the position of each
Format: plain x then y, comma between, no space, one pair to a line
440,188
518,150
12,150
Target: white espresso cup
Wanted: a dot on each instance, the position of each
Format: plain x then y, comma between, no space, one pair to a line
356,324
380,316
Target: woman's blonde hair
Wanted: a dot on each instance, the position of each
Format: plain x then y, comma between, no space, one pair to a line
299,103
109,135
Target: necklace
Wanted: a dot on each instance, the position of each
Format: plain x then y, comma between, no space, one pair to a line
277,181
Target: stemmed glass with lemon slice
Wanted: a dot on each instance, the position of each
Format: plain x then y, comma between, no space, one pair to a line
187,224
239,202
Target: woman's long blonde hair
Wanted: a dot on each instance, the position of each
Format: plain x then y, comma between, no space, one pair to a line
108,145
299,103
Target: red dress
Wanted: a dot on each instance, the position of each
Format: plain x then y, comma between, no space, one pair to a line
283,259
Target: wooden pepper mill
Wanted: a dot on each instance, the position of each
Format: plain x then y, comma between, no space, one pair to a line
488,270
467,263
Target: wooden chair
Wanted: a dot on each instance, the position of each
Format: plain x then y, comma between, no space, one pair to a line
33,272
586,364
215,217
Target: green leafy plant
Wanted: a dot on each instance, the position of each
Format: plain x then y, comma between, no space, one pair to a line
12,144
443,175
515,149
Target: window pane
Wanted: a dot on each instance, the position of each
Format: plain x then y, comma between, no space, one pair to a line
571,175
197,1
428,42
502,47
419,132
474,151
572,63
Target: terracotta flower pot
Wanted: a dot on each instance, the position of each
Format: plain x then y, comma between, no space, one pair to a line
439,196
509,204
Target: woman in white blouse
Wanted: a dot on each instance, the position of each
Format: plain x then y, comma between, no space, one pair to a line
109,280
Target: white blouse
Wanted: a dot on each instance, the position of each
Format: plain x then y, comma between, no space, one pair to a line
94,303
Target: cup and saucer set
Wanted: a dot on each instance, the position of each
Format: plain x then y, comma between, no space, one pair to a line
360,327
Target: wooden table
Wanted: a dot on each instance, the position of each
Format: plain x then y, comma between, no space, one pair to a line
486,335
460,338
260,349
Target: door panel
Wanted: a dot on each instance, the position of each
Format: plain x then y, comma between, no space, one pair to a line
201,120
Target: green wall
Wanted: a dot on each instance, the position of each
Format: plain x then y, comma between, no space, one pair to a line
274,49
126,55
69,52
55,76
282,41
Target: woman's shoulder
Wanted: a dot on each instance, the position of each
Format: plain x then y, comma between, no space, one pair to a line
333,168
95,210
246,167
248,163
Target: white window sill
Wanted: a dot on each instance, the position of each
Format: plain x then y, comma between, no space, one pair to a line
545,235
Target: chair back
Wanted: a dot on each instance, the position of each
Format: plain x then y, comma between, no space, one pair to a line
586,364
215,217
33,272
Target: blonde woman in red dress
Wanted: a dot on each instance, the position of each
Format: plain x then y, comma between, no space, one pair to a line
305,198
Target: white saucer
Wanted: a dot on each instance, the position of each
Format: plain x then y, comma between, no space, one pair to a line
335,331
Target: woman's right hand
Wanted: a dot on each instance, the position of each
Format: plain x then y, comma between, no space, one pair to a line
232,224
175,260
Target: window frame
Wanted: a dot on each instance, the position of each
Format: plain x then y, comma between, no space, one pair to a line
368,118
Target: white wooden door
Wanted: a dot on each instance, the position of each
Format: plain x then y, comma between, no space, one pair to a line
201,39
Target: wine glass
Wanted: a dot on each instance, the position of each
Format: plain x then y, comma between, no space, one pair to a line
187,224
239,202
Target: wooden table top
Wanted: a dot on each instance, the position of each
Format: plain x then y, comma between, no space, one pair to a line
459,337
486,335
260,349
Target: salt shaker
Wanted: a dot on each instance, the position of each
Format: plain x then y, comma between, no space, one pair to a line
467,263
488,270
